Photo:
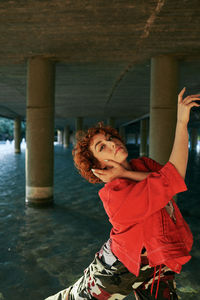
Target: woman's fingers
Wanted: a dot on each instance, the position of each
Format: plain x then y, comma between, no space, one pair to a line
180,95
185,105
189,99
107,174
97,171
194,104
195,95
100,175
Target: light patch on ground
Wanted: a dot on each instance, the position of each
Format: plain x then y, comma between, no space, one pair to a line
189,289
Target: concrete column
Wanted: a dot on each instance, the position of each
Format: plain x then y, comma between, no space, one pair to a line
73,138
143,137
122,132
136,139
163,107
193,138
78,127
17,134
40,132
111,122
66,136
79,123
60,136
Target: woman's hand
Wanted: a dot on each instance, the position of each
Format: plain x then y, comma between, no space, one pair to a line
185,105
115,170
179,154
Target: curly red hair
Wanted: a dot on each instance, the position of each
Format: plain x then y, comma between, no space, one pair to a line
84,160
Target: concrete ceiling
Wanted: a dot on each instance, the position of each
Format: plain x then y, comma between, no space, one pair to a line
102,51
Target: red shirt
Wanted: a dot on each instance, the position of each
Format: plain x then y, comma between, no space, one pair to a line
139,217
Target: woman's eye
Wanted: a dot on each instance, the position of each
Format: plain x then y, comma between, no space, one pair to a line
101,148
110,138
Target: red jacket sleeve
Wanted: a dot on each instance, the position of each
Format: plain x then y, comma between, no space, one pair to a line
130,203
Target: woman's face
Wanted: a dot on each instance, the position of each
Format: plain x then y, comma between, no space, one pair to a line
106,146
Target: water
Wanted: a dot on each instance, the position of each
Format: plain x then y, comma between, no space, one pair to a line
45,250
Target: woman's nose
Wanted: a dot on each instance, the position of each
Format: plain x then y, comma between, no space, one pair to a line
112,144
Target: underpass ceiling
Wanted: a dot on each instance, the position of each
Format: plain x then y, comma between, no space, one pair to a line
102,51
90,31
89,90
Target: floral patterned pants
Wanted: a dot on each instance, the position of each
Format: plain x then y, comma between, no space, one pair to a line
107,278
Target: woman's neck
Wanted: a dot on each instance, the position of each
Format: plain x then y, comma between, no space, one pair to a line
126,165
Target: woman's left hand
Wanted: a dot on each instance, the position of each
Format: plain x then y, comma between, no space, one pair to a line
185,105
115,170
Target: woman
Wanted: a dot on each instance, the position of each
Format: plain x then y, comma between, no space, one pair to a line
149,241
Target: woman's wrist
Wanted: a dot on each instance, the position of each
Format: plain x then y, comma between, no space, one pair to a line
182,123
135,175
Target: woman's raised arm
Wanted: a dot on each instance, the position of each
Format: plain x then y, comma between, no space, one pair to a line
179,154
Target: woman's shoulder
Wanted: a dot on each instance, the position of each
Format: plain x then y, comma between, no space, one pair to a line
145,164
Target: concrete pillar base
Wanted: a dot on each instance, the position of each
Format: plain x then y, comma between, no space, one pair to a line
17,151
39,196
39,202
